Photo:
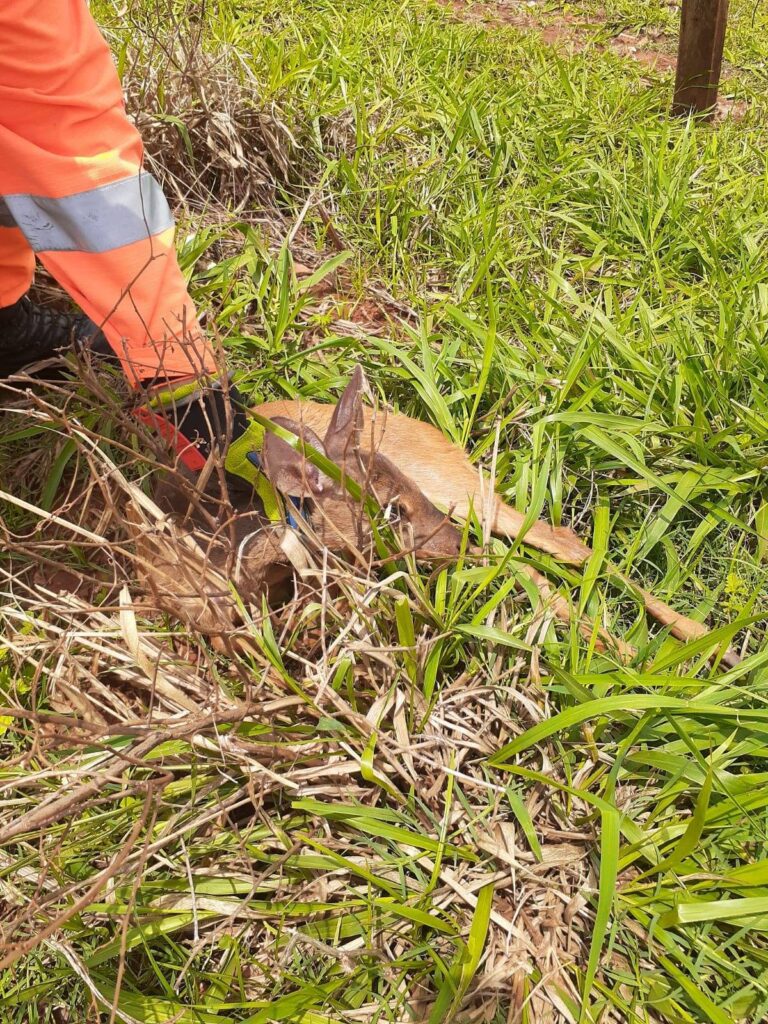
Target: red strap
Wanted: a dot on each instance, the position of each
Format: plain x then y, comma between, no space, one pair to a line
189,455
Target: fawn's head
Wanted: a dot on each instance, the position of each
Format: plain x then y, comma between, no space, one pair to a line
336,517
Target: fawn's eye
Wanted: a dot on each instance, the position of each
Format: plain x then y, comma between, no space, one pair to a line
394,513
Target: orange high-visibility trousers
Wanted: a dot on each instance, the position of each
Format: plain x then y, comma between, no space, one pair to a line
73,192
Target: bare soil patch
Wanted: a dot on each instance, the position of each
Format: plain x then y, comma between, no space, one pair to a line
569,32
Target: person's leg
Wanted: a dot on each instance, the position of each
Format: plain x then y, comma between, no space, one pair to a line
17,261
71,179
30,332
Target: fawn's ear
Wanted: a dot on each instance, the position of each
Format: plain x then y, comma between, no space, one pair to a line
286,468
343,435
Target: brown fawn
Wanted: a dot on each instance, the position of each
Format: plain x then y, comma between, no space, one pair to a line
418,477
448,480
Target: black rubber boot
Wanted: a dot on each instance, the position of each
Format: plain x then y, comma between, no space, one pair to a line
31,333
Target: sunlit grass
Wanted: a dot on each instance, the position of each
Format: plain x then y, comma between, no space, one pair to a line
419,800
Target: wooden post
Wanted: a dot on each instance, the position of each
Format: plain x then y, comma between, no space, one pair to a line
699,55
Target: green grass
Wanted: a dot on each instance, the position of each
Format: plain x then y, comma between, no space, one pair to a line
413,799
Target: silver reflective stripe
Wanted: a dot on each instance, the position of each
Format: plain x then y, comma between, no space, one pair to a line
6,218
98,220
